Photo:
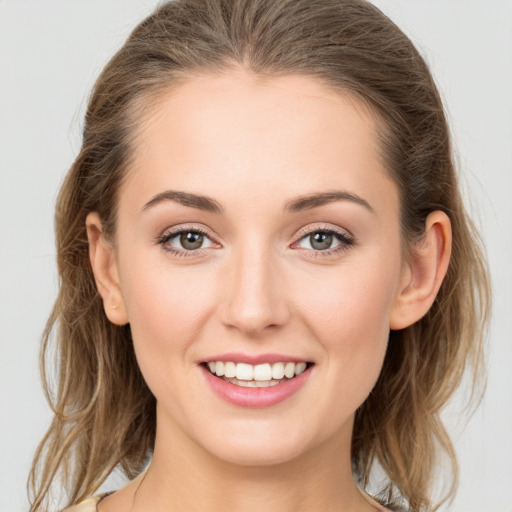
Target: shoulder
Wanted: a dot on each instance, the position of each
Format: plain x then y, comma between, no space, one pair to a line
88,505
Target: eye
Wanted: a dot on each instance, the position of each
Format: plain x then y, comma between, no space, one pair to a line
320,241
325,240
185,240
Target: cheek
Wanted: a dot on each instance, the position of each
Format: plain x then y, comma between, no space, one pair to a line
355,299
167,309
350,319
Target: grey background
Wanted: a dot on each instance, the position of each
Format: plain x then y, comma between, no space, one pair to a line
50,53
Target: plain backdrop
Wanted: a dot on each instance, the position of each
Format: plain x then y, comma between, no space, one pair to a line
50,53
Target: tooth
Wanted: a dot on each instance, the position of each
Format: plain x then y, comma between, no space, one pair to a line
244,371
262,372
299,368
289,370
253,383
219,368
278,371
229,369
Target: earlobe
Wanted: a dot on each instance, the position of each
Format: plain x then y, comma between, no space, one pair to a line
424,273
104,266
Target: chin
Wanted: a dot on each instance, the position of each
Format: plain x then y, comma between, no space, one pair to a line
264,443
260,453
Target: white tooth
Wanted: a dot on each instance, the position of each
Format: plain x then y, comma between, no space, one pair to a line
219,368
289,370
253,383
268,383
262,372
299,368
244,371
212,367
229,369
278,371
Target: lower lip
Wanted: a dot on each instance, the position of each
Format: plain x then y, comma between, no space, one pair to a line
255,398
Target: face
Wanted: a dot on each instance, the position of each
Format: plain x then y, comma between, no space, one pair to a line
258,232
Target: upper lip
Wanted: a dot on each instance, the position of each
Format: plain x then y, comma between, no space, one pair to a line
237,357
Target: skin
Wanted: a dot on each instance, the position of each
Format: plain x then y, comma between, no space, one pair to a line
258,286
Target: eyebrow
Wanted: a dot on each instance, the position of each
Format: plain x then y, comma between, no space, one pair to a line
300,204
186,199
314,200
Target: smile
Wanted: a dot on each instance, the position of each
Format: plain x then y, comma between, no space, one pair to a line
256,385
256,376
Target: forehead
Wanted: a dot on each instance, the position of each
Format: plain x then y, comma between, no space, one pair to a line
285,105
243,133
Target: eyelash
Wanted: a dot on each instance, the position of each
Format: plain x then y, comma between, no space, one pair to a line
182,253
346,241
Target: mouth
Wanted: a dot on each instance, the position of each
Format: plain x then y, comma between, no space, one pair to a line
256,376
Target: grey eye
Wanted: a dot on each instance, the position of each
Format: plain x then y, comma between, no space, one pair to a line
191,240
321,240
186,241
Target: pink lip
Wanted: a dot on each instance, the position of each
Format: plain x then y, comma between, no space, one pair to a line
255,398
236,357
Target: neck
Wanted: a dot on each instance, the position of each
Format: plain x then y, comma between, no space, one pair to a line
184,476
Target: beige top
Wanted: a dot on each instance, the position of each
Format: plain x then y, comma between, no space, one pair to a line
88,505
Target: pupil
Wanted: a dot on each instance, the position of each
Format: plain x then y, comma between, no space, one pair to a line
320,241
191,240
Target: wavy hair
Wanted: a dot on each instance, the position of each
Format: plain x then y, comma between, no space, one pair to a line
104,413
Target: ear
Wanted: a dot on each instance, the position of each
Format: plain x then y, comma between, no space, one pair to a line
104,267
424,272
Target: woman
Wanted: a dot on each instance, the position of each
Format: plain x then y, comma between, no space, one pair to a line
269,286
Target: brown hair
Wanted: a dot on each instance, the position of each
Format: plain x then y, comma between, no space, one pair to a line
104,414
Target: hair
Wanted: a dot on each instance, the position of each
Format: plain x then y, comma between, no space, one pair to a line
104,413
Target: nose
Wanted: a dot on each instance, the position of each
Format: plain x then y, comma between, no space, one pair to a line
254,294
